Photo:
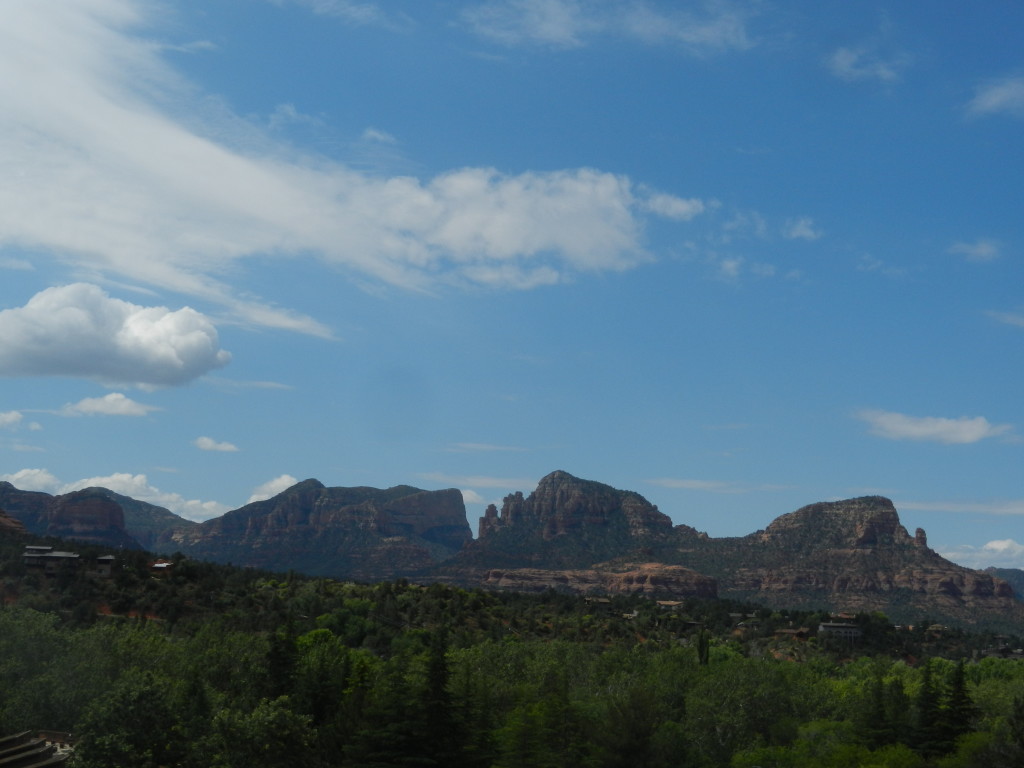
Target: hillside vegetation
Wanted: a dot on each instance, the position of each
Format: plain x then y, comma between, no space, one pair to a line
210,665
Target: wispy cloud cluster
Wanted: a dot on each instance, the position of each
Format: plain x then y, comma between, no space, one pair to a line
79,331
698,28
936,429
980,250
1002,96
866,63
113,179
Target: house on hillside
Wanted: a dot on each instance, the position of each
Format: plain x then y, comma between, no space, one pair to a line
839,629
50,562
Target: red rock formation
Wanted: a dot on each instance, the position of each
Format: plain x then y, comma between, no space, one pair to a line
631,579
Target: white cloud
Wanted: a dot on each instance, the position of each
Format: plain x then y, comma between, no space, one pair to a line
78,330
672,207
33,480
1000,553
114,404
980,250
10,419
472,497
19,265
714,27
138,487
272,488
866,63
84,99
963,430
209,444
801,229
1003,96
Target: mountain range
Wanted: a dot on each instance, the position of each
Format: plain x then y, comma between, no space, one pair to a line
567,534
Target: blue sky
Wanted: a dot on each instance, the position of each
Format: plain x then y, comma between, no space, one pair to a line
736,256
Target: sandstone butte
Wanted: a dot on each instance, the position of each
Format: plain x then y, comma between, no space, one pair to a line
568,534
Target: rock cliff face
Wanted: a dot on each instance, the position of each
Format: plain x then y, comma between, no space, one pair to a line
355,533
88,516
627,579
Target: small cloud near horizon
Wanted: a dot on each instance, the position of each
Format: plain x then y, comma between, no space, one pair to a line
209,444
936,429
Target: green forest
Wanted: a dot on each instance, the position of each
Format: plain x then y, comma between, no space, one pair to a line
213,666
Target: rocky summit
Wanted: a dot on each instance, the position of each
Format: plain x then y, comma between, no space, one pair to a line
566,523
365,534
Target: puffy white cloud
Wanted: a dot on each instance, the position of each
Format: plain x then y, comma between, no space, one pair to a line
135,486
472,497
272,488
1005,95
899,426
84,99
33,480
979,250
209,444
78,330
114,404
10,419
713,28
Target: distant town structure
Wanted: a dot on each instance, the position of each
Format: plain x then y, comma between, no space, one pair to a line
51,562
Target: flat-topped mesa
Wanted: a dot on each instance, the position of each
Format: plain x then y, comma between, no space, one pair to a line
865,522
563,504
362,533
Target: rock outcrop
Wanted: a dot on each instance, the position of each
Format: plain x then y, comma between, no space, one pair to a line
566,523
11,525
354,533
